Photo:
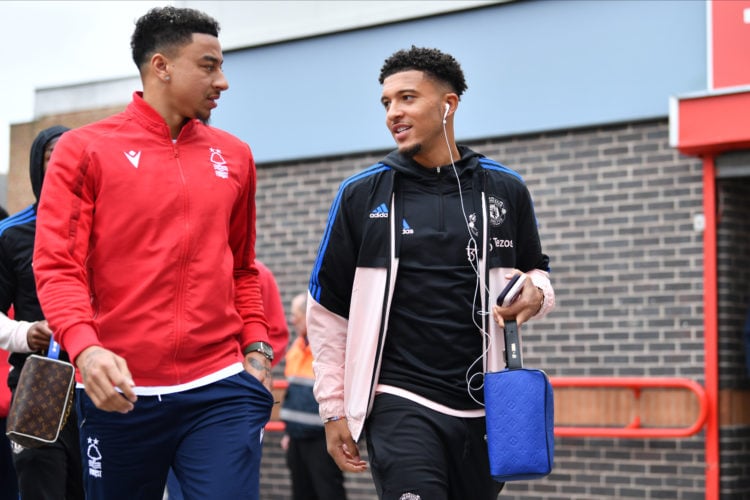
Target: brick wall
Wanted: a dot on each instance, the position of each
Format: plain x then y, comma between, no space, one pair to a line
616,207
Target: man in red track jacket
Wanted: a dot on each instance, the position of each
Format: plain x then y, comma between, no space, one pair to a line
144,262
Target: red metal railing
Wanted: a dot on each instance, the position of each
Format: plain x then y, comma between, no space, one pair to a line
634,429
277,425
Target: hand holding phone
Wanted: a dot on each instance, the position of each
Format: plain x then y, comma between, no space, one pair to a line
510,292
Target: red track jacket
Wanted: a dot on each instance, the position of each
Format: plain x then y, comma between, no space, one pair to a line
146,246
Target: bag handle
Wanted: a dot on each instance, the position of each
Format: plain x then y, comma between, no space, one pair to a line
513,357
54,349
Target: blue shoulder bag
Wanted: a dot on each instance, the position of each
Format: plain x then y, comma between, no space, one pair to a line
520,417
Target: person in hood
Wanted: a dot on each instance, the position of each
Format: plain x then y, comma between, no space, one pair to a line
145,267
54,470
400,312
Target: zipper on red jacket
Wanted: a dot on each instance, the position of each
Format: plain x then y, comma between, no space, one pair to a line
183,262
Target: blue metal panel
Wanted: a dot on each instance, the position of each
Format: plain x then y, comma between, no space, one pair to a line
530,66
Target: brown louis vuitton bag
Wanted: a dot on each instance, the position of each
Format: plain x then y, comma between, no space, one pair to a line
41,402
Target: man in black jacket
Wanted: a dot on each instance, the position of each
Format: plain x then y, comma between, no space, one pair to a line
415,253
51,471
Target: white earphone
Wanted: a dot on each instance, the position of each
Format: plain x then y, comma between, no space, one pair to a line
447,110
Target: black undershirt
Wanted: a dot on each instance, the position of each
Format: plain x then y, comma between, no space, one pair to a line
432,339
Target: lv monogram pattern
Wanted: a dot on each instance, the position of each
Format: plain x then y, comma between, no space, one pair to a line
42,401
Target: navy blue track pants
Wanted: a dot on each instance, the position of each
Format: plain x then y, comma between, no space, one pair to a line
211,436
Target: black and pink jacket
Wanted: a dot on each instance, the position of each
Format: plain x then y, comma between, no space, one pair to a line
352,282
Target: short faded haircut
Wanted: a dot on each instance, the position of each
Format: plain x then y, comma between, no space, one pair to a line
164,29
436,64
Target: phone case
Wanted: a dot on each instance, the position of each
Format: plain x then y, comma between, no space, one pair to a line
511,290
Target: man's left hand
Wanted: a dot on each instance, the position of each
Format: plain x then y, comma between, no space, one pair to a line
38,336
259,366
527,304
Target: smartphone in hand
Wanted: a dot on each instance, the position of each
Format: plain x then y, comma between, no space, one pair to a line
510,292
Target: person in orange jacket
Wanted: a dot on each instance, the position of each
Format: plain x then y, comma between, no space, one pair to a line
314,473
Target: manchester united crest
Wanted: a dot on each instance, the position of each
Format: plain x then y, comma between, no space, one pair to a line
498,211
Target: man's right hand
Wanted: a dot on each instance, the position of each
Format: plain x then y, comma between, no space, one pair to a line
103,371
342,448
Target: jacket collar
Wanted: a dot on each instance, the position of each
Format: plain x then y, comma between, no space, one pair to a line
150,119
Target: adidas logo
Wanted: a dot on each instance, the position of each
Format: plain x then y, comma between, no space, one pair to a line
380,212
406,228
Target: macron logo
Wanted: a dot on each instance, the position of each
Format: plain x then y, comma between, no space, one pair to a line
133,157
381,212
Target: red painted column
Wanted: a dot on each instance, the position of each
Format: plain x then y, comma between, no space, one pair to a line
711,329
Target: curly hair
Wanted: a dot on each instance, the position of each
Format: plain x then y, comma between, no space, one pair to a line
440,66
166,28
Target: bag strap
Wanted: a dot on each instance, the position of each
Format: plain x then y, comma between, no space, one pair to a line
54,349
513,357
